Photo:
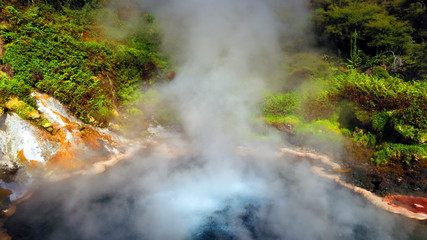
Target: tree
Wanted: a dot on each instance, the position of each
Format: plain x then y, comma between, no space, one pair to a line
390,33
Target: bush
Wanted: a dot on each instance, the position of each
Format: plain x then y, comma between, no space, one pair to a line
363,138
281,105
48,50
375,33
400,153
385,112
407,100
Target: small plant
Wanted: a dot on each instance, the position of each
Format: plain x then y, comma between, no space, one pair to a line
355,53
363,138
280,105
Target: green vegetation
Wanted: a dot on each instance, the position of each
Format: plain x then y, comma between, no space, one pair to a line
390,33
400,153
57,48
371,87
378,111
279,105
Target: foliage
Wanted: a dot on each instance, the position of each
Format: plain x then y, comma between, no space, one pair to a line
406,101
13,87
390,33
50,51
383,112
27,112
324,129
395,152
291,120
280,105
379,121
363,138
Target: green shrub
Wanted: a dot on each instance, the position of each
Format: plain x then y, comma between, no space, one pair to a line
400,153
280,105
48,50
380,72
14,87
379,122
383,108
363,138
408,132
407,100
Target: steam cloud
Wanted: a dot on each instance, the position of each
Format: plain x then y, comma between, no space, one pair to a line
226,50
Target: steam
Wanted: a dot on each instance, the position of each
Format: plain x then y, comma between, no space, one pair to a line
197,185
226,51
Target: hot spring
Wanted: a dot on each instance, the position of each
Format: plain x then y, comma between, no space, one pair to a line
167,198
228,54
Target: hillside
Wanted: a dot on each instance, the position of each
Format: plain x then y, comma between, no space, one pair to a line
68,53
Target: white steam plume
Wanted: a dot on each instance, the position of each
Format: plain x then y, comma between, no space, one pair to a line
225,52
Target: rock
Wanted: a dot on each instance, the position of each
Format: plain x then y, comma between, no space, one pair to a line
24,110
4,198
47,125
20,134
171,75
115,113
115,127
34,115
8,172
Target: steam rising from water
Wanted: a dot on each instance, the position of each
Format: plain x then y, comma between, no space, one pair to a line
226,51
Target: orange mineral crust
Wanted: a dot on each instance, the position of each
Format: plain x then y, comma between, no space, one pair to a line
413,204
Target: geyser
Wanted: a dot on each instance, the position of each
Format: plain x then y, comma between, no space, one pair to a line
225,51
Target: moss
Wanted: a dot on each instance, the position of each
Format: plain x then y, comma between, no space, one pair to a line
27,112
21,108
323,130
292,120
45,124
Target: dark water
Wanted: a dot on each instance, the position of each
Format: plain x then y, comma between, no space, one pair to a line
107,207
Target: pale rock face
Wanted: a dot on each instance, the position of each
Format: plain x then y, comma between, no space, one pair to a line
52,153
19,135
53,109
2,145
